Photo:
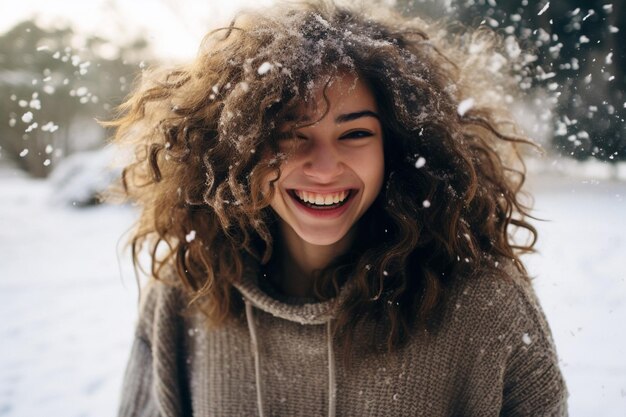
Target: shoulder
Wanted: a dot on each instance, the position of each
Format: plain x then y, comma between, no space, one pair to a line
161,309
501,315
502,300
156,371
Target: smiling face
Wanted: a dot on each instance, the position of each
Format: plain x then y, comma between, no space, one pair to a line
335,167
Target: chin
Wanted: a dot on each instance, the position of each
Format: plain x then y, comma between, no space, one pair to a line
322,239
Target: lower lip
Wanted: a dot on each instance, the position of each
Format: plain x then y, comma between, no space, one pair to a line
325,213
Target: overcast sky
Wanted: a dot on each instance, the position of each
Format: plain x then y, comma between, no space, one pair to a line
173,27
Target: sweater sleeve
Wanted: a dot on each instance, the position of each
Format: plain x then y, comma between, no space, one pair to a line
155,381
137,398
533,384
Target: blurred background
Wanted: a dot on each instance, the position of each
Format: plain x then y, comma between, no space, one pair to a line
67,288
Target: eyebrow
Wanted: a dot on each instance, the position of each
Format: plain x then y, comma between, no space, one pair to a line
342,118
348,117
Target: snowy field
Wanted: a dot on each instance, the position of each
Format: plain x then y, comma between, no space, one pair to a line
68,307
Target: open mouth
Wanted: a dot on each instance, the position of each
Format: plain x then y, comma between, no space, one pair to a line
318,201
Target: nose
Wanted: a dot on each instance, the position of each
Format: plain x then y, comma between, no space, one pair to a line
323,162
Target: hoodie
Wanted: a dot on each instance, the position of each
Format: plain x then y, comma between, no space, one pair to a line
492,356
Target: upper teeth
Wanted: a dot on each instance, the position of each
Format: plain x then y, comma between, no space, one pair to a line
322,199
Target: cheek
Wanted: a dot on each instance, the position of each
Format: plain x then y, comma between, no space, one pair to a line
375,169
371,170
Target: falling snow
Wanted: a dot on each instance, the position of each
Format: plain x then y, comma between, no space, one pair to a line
589,14
31,127
27,117
543,10
50,127
35,104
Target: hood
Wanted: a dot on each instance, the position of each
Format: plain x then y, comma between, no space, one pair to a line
303,311
299,310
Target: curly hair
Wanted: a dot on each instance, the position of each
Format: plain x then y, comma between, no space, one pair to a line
205,140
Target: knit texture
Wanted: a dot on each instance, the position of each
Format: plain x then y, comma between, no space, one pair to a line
493,356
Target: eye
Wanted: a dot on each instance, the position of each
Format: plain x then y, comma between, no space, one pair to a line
357,134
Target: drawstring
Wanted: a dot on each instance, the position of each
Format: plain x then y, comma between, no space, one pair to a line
332,384
255,348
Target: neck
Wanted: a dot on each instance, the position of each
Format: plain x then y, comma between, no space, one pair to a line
297,261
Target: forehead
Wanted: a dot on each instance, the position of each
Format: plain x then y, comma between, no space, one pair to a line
341,93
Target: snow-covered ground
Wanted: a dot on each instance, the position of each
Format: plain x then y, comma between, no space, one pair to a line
67,308
581,281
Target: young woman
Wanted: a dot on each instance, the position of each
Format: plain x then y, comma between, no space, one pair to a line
327,203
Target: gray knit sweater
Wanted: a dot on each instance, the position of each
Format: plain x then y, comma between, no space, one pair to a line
493,356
